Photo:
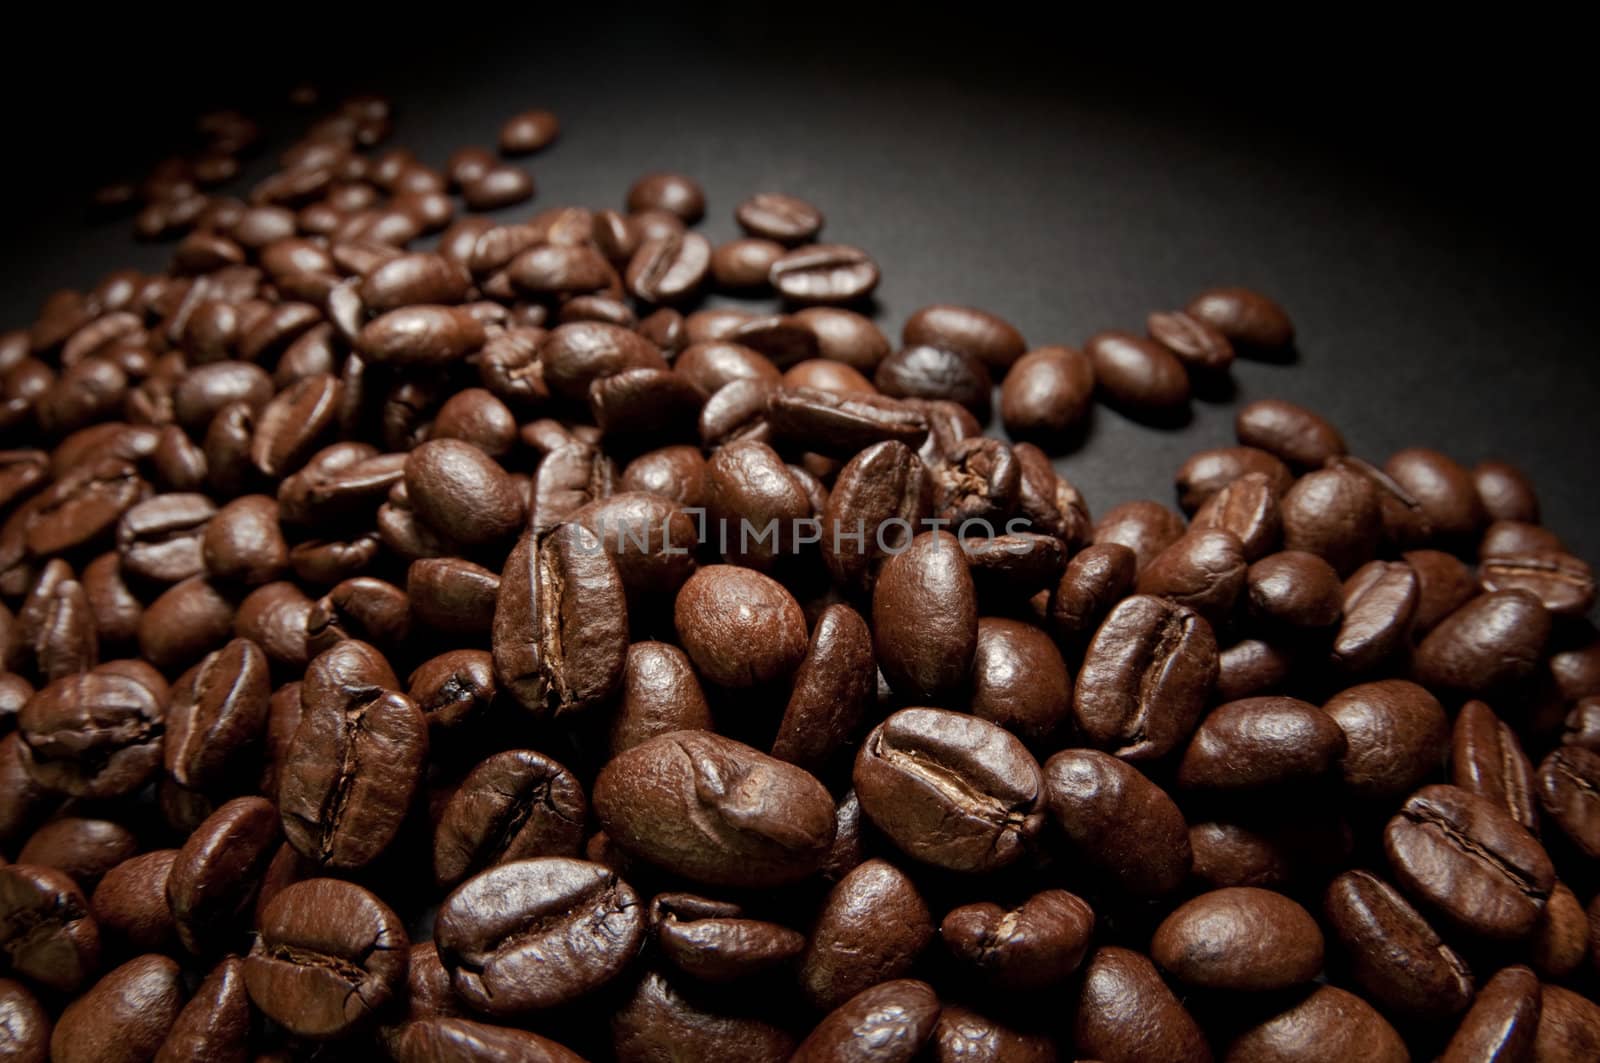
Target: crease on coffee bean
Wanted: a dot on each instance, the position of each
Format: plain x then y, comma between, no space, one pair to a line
954,789
1427,817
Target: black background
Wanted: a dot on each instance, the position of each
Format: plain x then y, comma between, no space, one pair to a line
1416,198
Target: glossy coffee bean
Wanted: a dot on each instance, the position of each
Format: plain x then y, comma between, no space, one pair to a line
1094,580
47,933
1203,571
125,1016
130,903
713,941
1504,492
1487,759
783,218
1396,736
1240,940
1569,793
1208,471
1248,509
1126,1012
739,627
1391,951
1293,433
1563,583
1443,489
1246,317
212,885
160,539
872,927
1138,375
92,735
824,274
218,711
991,339
834,686
1503,1022
1019,680
1335,514
964,1034
1569,1025
1198,344
1145,527
1493,640
1118,821
769,822
926,372
889,1023
1033,946
514,805
1260,742
215,1024
845,336
950,790
1046,394
924,613
84,848
25,1022
1327,1023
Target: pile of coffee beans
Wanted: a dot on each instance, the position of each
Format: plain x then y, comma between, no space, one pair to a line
494,653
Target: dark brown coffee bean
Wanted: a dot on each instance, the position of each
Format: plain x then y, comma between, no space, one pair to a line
833,688
1561,938
774,216
1261,742
977,483
826,375
576,355
1395,734
872,927
159,539
1333,513
1494,639
359,608
1204,571
669,269
218,713
205,389
1510,538
670,192
1562,582
452,595
1197,344
925,617
92,735
1145,678
1126,1012
845,336
827,274
355,761
1247,508
1292,433
25,1022
130,903
741,265
414,278
212,884
1033,946
1380,602
1209,471
712,941
1391,951
1582,726
657,1020
329,955
243,543
926,372
1240,940
1505,493
529,131
84,848
1471,861
840,424
963,1034
513,806
291,426
889,1023
739,627
1138,375
463,493
1247,318
1503,1022
82,506
1231,854
755,503
1444,584
420,336
978,333
124,1017
951,790
1328,1023
715,811
711,366
215,1024
569,477
47,933
1569,1025
1569,793
660,694
1094,580
1444,491
879,499
1295,590
1486,759
454,689
1145,527
1019,680
1015,566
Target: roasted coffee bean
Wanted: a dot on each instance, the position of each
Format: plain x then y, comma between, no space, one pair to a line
1198,344
462,493
1145,527
657,1020
125,1016
834,685
1203,570
1582,725
740,265
1395,737
1563,583
82,507
454,688
1486,759
1033,946
1209,471
951,790
889,1023
218,712
576,355
97,734
26,1025
215,1024
1505,493
1444,491
1503,1022
1232,854
1327,1023
992,340
130,903
329,956
1569,1025
737,412
1126,1012
739,627
212,884
826,375
660,694
1491,641
978,482
1294,590
1145,678
673,472
1292,433
1019,565
355,761
713,942
1471,861
1335,514
47,933
419,336
66,641
1094,580
1239,939
529,131
501,185
925,617
1248,508
414,278
669,269
452,595
775,216
1019,680
1117,820
926,372
845,336
1444,584
291,426
1512,538
712,366
1391,951
243,542
513,806
878,500
1261,742
1247,318
359,608
840,424
827,274
1561,938
872,927
1569,793
714,810
84,848
159,540
755,503
670,192
1380,603
1137,375
572,475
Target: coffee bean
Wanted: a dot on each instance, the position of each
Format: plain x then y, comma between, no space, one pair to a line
967,330
1561,938
1261,742
420,336
462,492
872,927
833,687
1137,375
1465,857
841,424
1392,952
1126,1012
740,628
669,269
1295,590
130,903
976,484
1492,640
1097,800
951,790
513,806
576,355
1380,602
218,711
1444,584
1093,581
1239,940
529,131
1563,583
1395,734
775,216
123,1017
888,1023
845,336
572,475
1292,433
243,542
925,617
92,735
715,811
743,265
1504,492
1486,759
329,956
713,941
1245,317
1203,571
826,274
291,426
1019,680
670,192
1444,491
84,848
26,1024
1145,678
1145,527
658,1019
215,1024
1326,1023
359,608
1503,1021
1248,509
1333,513
1197,344
1033,946
878,500
1569,793
1569,1025
47,933
82,507
212,884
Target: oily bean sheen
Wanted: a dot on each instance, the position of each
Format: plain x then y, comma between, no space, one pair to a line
536,934
775,216
925,617
1569,793
1245,317
871,928
1391,951
1247,508
1240,939
215,1024
712,941
714,810
96,734
1145,678
1492,640
994,341
1118,821
1396,736
1260,742
834,685
1470,861
1486,759
739,627
125,1016
1125,1012
1292,433
1046,394
1204,570
1209,471
889,1023
1327,1023
1138,375
514,805
1034,946
827,274
950,790
48,935
1503,1022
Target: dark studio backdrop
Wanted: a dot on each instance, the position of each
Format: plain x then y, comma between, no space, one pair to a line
1414,198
